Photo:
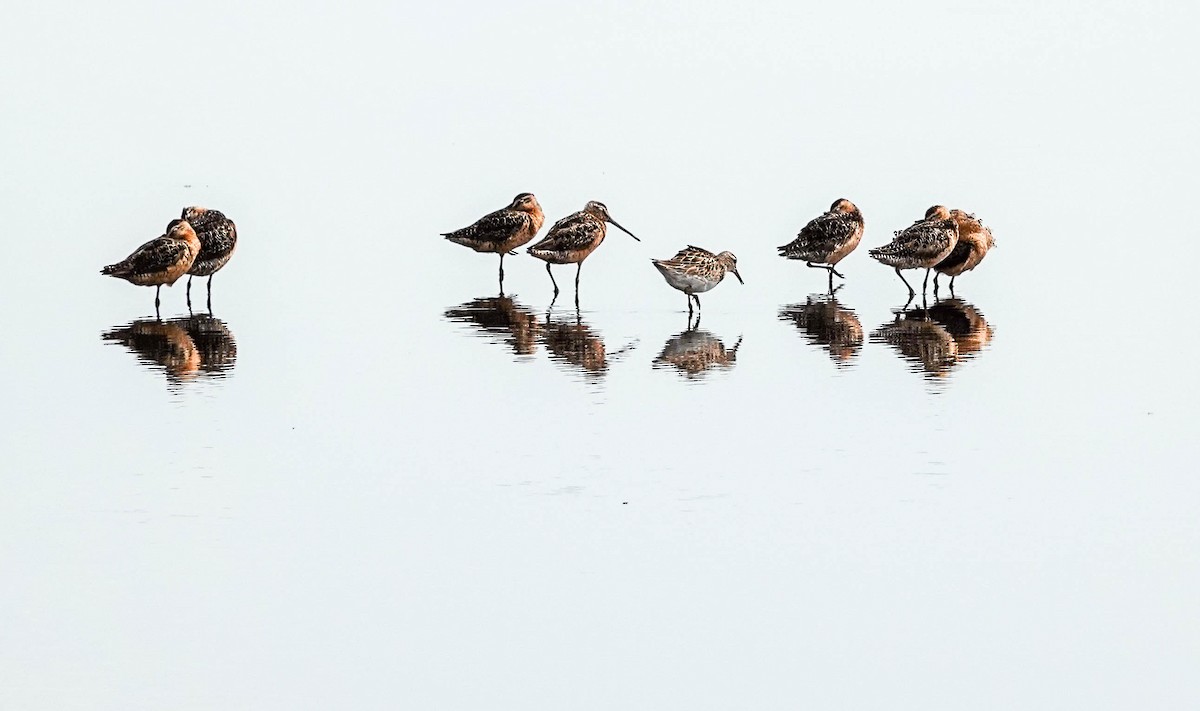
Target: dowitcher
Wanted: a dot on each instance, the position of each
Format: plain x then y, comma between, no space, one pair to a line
921,341
160,261
921,245
574,237
974,241
218,239
827,239
694,271
164,344
504,230
500,318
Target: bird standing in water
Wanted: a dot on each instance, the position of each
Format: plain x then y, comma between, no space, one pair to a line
218,239
160,261
694,270
504,230
921,245
573,238
827,239
974,241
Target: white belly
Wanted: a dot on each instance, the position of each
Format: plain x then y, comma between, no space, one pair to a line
688,282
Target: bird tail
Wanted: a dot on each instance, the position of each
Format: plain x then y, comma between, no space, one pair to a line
113,269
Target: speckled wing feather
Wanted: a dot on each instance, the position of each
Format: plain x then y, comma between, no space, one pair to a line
159,254
923,238
217,237
821,237
498,226
691,256
576,231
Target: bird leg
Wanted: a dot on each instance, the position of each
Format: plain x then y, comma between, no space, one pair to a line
697,298
189,290
689,300
952,287
926,282
911,293
502,273
935,285
578,269
552,278
832,270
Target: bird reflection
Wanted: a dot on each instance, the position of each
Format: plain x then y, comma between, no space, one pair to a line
826,322
965,324
502,319
184,348
572,342
695,351
937,338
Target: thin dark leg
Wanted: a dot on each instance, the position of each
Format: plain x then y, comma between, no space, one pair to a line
189,290
935,285
578,269
911,292
926,282
952,287
689,299
835,271
697,298
830,281
502,273
552,278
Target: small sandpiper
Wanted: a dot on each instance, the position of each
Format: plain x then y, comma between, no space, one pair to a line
921,245
504,230
160,261
694,270
218,239
974,241
827,239
574,237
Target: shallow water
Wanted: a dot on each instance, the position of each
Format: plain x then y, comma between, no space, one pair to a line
366,478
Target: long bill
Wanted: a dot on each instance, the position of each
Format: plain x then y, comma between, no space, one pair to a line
739,277
619,227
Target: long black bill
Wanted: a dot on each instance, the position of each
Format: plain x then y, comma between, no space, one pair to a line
739,276
619,227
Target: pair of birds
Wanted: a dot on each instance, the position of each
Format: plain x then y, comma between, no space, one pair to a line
573,238
199,243
947,241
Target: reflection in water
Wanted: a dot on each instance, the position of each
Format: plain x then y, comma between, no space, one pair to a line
572,342
500,316
825,322
695,351
182,347
937,338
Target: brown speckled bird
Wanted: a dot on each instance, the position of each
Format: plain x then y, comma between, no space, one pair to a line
504,230
218,239
574,237
921,245
974,241
695,270
827,239
160,261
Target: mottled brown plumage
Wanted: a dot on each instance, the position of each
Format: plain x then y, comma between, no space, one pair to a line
160,261
218,240
695,270
695,351
574,237
974,241
921,245
827,239
504,230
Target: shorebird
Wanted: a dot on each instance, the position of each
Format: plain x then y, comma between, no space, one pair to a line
218,238
828,239
694,270
921,245
574,237
167,345
504,230
160,261
501,319
921,341
974,241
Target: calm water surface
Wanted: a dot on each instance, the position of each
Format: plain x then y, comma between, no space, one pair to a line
366,478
